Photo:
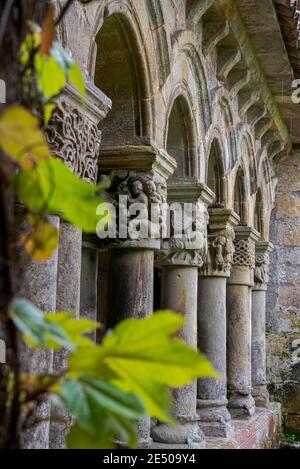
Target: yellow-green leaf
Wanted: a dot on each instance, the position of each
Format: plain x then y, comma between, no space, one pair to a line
41,240
36,329
100,408
48,111
76,78
74,328
21,137
51,187
144,357
51,77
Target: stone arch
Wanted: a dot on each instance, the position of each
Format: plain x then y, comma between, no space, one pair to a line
121,72
229,131
259,212
203,99
216,180
181,137
240,195
248,156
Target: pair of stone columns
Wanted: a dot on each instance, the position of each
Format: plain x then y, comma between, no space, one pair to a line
180,261
232,323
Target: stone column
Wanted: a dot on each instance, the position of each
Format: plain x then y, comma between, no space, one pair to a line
131,265
212,393
89,283
179,293
261,278
74,136
240,400
67,299
39,287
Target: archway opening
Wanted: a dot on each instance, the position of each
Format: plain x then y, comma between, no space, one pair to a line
258,214
240,196
180,143
215,175
118,73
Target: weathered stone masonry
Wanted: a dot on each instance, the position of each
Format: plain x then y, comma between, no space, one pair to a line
182,106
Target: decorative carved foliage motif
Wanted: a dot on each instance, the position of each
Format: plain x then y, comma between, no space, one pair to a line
75,139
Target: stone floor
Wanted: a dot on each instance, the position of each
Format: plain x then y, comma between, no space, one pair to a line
262,431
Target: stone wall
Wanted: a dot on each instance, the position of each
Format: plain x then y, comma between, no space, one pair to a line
283,305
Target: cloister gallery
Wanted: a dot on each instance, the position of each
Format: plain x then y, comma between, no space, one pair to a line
190,101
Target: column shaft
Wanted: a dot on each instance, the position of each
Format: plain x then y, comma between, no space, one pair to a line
88,284
212,400
39,286
130,285
67,299
259,380
239,350
179,293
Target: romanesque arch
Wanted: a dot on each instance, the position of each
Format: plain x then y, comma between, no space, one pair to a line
216,173
240,195
181,141
120,74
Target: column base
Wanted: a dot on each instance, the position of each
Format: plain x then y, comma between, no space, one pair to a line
261,395
214,418
185,434
241,406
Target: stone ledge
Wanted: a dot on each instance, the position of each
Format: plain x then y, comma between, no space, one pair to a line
262,431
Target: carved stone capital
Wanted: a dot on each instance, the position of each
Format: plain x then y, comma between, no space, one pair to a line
221,237
244,256
138,177
190,249
73,133
262,262
244,244
176,255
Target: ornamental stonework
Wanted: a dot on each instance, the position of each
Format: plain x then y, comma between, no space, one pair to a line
261,271
75,139
220,253
244,254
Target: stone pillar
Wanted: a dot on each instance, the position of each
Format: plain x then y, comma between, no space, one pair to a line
88,283
179,293
74,136
131,265
39,287
67,299
212,393
240,400
261,278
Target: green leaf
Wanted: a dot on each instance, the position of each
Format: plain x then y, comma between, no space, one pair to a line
78,438
36,329
48,111
143,356
30,44
62,57
51,187
51,77
101,408
74,328
21,137
76,78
